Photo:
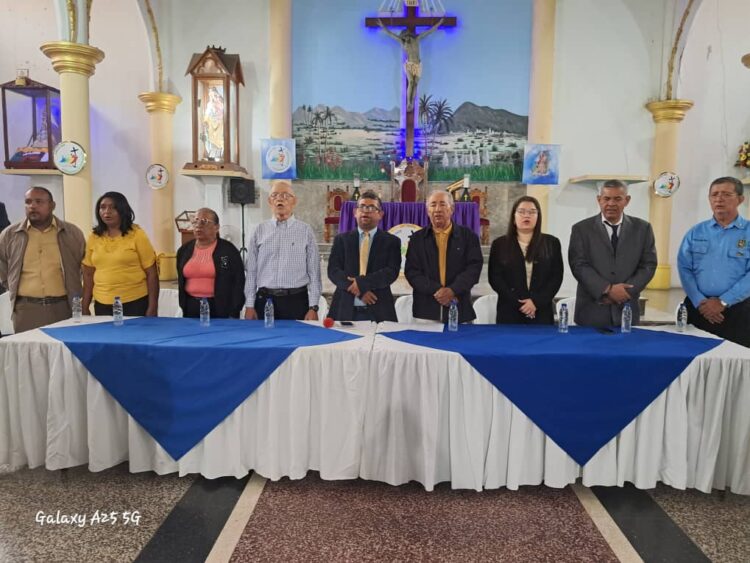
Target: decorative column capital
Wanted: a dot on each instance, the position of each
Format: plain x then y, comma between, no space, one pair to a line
73,57
159,101
672,111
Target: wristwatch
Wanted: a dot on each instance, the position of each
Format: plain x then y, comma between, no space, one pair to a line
724,303
314,308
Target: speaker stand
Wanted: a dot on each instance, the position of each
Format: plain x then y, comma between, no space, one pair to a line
243,250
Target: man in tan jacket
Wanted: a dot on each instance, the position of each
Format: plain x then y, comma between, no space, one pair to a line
40,263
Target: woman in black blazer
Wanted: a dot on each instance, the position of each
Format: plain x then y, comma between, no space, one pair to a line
526,268
210,267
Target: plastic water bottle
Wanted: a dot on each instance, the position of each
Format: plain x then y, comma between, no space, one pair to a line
681,320
77,309
205,312
117,312
627,319
453,316
268,313
562,324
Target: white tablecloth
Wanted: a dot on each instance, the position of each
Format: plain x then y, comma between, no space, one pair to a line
383,410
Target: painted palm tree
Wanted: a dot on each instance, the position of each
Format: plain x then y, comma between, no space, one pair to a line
317,122
328,117
425,110
441,118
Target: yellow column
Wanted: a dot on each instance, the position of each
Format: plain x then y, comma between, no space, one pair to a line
667,115
160,107
541,86
75,63
280,63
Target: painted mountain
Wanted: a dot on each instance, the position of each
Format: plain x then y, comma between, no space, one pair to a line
333,143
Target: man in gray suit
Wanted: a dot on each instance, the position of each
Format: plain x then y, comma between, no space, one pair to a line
613,257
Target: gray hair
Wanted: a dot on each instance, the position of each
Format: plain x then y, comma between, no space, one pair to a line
617,184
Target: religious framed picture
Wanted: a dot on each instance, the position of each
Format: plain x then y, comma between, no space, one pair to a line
666,184
157,176
278,159
69,157
541,164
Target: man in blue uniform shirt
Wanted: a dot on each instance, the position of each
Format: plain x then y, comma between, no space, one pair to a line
714,265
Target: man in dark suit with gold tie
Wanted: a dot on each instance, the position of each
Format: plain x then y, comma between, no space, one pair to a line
363,264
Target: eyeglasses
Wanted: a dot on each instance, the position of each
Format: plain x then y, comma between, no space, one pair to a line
281,195
526,212
722,195
201,222
368,208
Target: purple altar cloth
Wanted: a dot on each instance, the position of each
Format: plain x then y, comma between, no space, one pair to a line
396,213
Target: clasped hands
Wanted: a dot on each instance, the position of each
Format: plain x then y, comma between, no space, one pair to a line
444,296
368,297
617,293
712,309
527,307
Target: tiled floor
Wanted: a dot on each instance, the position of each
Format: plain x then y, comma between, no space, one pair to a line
115,512
315,520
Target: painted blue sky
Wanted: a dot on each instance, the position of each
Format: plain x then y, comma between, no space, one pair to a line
338,61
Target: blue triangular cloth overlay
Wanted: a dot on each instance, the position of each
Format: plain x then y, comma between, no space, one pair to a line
580,388
180,380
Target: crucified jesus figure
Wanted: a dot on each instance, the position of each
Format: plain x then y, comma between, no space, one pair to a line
413,66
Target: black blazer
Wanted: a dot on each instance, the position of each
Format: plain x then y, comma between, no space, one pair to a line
462,268
3,217
383,267
229,286
507,276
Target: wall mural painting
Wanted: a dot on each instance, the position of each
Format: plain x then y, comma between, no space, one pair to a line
350,91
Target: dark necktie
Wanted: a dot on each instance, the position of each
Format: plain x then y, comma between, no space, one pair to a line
615,238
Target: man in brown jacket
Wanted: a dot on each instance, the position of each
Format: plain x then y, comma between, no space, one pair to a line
40,263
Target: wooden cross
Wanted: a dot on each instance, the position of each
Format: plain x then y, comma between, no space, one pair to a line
411,21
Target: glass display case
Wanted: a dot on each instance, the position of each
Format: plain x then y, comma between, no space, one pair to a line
216,79
31,123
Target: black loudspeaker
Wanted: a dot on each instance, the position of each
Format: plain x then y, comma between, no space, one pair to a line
241,191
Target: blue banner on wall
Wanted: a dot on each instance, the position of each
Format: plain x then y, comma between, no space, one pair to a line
278,159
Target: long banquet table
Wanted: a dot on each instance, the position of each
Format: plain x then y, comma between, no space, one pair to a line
380,409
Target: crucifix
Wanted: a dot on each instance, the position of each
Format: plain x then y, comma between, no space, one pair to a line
409,40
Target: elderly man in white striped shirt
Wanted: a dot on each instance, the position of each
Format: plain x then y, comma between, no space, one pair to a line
283,263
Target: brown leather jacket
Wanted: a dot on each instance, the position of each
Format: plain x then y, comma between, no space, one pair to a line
13,242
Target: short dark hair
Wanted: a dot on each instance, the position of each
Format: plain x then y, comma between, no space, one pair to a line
369,194
127,216
738,186
45,190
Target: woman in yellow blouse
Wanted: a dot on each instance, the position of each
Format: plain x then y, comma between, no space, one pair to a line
119,262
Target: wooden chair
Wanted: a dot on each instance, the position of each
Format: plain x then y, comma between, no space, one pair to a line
408,181
480,197
336,199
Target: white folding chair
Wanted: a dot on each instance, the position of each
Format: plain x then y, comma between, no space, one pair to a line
486,309
404,309
571,303
169,303
6,324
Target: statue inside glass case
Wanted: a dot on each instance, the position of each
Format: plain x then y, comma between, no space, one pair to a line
213,125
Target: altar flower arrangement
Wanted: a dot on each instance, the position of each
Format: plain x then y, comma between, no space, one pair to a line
743,157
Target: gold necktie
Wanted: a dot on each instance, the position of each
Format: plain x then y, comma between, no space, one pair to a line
364,252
